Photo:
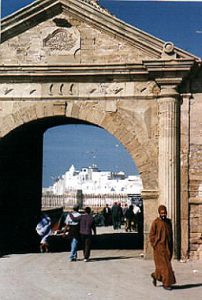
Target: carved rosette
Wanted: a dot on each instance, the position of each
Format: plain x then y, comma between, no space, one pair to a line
168,51
63,41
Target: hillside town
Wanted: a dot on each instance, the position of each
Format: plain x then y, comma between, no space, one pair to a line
95,187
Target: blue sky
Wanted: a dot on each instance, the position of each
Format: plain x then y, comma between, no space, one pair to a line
179,22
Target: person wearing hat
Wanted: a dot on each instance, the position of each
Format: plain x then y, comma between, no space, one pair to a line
73,228
161,239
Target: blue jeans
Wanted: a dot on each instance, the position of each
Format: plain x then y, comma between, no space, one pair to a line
73,253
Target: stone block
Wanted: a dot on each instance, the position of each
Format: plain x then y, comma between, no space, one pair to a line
75,110
57,109
69,108
194,247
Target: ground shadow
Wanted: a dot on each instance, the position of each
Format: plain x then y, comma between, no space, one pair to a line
118,241
186,286
59,243
100,241
109,258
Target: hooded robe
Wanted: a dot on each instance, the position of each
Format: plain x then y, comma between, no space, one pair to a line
161,239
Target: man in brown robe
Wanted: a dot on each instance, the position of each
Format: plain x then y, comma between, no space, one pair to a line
161,239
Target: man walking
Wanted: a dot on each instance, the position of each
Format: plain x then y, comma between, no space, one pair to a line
161,239
73,227
87,225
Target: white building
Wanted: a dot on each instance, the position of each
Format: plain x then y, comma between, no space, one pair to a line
93,181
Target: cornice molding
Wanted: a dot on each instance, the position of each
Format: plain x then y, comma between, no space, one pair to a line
163,72
72,70
170,72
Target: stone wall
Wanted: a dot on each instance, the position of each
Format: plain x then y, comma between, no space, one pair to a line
75,41
195,177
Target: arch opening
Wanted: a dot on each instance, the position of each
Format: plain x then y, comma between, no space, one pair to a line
21,153
90,167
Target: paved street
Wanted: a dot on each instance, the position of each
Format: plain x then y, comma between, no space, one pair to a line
110,275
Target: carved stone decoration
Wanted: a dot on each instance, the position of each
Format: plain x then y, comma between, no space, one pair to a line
51,90
168,51
147,88
168,48
63,41
82,89
115,88
103,89
7,91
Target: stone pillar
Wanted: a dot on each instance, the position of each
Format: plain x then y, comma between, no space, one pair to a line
150,203
169,119
185,150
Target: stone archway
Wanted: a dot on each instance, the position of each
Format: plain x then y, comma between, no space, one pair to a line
88,65
110,117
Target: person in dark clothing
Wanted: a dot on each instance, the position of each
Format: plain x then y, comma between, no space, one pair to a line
130,216
120,215
87,225
73,228
107,215
116,216
125,210
161,239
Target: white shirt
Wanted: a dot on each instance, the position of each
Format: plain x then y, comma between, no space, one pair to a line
68,220
136,209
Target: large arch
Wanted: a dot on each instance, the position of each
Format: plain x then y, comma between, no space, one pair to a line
23,162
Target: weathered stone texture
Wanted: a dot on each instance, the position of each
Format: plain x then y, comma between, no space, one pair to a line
86,44
195,231
195,159
195,175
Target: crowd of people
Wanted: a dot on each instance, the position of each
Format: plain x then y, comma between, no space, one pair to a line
82,226
129,215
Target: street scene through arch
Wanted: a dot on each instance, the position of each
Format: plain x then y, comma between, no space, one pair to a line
85,165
